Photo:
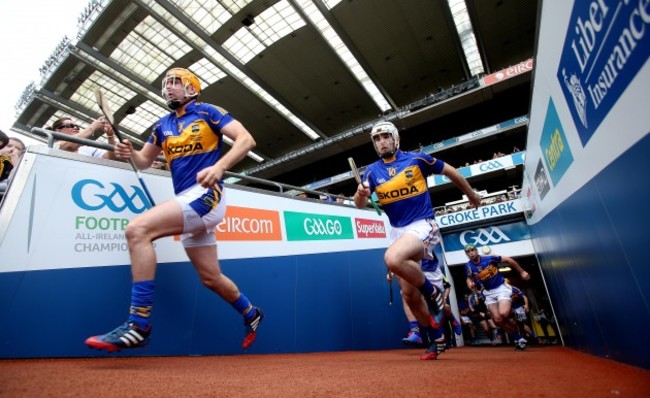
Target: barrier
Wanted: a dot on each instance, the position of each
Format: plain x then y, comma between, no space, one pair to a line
315,268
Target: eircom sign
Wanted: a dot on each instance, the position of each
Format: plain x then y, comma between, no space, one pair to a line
504,74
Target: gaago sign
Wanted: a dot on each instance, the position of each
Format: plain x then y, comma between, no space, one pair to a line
307,226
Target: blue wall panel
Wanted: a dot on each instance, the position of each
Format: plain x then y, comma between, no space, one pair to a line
593,251
321,302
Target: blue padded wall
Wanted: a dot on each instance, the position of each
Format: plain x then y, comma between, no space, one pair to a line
593,251
313,303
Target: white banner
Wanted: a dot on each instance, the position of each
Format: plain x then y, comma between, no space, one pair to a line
74,213
510,249
482,213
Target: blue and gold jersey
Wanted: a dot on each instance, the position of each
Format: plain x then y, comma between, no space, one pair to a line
485,272
429,265
477,301
517,298
191,141
401,186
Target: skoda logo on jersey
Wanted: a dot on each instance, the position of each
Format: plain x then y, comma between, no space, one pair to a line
495,165
195,128
93,195
483,236
322,227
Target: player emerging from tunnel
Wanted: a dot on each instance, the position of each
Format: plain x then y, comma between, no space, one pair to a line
400,181
484,271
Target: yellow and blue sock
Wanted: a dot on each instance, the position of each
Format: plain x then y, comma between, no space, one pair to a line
141,303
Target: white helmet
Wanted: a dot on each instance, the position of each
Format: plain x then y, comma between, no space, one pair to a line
381,128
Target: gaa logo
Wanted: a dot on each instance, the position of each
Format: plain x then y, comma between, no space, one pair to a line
92,195
320,227
483,236
490,166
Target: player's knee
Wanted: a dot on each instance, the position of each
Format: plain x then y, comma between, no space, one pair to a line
210,283
392,263
212,280
135,231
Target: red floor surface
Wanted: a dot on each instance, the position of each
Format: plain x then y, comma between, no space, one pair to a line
460,372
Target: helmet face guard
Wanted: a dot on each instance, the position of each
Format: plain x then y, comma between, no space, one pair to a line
383,128
186,78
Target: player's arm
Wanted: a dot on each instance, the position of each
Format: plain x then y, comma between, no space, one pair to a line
363,192
524,275
446,289
471,285
445,294
361,195
469,304
142,159
526,308
461,183
469,279
243,142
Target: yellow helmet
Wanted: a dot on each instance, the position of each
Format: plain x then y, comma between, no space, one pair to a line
187,79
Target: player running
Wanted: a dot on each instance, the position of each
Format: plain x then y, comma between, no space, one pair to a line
484,271
191,138
400,181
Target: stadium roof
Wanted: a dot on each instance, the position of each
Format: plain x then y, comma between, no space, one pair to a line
306,77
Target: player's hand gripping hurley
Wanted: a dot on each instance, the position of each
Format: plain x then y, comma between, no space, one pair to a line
108,114
357,177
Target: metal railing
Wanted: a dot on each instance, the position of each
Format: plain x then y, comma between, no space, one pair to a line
53,136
